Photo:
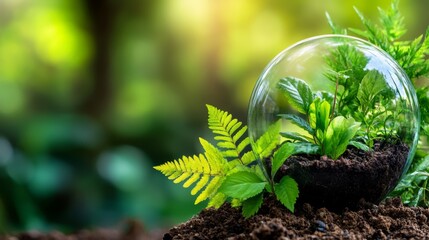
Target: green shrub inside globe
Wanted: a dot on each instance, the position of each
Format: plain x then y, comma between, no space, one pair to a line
348,110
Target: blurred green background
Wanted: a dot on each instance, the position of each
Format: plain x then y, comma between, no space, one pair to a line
94,93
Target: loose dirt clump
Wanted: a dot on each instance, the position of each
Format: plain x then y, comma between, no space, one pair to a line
389,220
336,184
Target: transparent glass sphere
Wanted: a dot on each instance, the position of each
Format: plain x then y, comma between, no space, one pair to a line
335,86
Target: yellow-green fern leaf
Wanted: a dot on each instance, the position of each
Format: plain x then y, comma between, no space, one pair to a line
206,171
174,175
248,157
203,181
217,200
210,190
228,132
266,144
182,177
215,158
192,180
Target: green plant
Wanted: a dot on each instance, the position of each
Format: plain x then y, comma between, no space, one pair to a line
360,111
412,56
362,94
326,134
228,171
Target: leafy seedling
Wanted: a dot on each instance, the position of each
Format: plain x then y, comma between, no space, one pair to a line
325,134
228,172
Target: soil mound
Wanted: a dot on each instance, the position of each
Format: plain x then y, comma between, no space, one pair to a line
389,220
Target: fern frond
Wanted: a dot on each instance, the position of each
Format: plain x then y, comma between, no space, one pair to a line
411,55
216,161
217,200
203,181
229,132
210,190
266,144
206,171
393,22
192,180
248,157
334,27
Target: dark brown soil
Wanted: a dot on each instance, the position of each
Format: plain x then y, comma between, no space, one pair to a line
342,183
389,220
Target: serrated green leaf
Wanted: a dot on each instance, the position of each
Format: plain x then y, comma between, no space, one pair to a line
251,205
297,92
280,156
242,185
266,144
300,122
307,148
296,136
287,192
372,84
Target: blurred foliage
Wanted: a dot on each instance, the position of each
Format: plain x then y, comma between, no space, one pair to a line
94,93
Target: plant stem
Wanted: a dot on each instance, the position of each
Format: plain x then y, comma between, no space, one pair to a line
263,168
335,99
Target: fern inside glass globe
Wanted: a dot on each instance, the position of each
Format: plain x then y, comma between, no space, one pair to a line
348,114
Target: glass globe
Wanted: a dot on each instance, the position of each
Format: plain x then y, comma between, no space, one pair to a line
352,110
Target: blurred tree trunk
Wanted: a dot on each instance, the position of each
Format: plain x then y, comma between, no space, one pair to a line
101,15
215,88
